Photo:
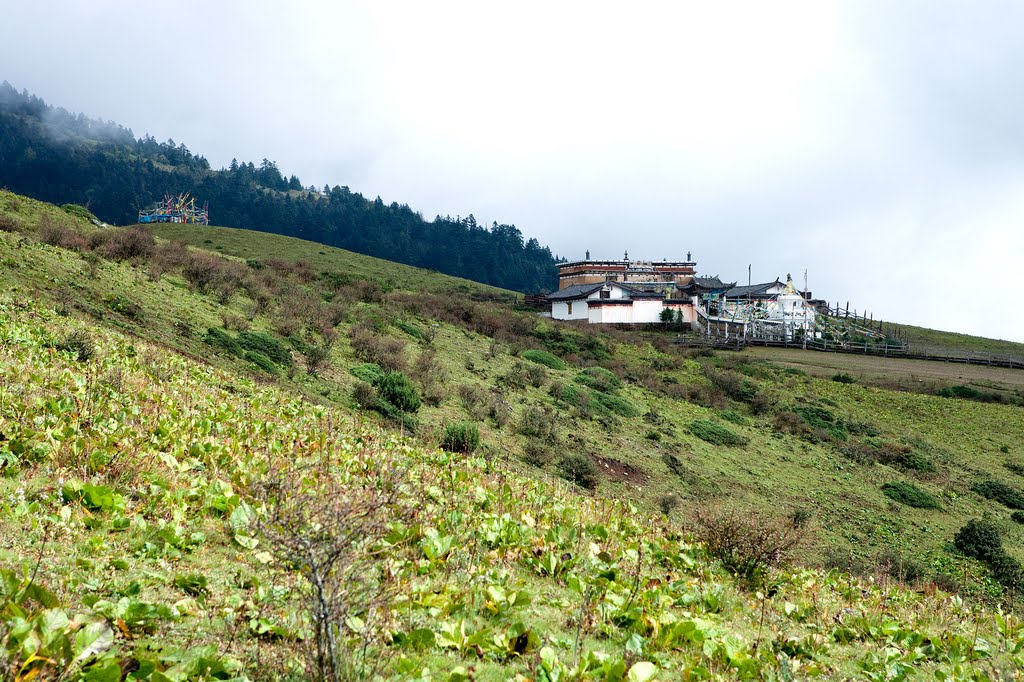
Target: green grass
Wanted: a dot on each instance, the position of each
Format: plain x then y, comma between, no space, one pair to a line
165,409
249,244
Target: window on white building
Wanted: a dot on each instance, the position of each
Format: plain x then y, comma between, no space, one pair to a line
569,305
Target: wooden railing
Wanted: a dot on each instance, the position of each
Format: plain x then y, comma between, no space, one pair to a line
878,349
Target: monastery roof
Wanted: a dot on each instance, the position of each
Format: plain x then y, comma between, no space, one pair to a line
753,289
575,291
710,283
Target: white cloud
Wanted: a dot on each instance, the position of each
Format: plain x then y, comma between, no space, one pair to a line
876,145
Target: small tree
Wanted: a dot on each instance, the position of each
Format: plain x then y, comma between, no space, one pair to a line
327,526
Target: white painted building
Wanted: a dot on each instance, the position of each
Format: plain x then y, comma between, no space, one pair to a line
607,303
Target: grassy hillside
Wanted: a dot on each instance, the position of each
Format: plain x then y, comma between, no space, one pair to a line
157,400
248,244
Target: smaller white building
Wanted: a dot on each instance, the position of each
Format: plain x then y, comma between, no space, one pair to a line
607,303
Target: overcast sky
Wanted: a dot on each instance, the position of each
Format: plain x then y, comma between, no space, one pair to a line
878,145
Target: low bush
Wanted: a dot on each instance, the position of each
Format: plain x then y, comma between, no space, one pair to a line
412,330
579,469
979,539
747,542
538,422
79,344
218,338
669,503
397,389
1017,517
542,357
599,379
461,437
261,361
969,393
615,404
267,345
910,495
474,401
386,351
734,417
368,372
127,243
537,452
1000,492
78,211
843,378
715,433
123,305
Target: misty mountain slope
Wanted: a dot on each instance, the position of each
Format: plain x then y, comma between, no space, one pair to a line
627,414
56,156
162,430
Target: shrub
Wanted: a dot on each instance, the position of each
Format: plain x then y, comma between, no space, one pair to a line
123,305
412,330
397,389
261,361
536,375
1000,492
538,422
218,338
904,457
910,495
78,211
789,422
128,243
843,378
499,409
599,379
365,395
734,417
461,437
267,345
669,502
317,357
1017,517
542,357
615,404
537,452
79,344
979,539
368,372
473,400
386,351
579,469
61,236
716,434
747,542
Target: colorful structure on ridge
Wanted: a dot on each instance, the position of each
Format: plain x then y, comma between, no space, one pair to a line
176,209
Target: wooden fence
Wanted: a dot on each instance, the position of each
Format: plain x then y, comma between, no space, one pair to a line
882,350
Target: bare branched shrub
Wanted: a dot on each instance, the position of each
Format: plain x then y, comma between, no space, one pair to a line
318,356
328,526
386,351
57,234
474,400
748,542
128,243
498,408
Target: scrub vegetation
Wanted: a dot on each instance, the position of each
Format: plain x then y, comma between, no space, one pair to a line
632,511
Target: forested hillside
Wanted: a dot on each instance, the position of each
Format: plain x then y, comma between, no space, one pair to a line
53,155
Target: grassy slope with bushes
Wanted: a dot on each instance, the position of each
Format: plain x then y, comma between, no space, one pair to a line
173,448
